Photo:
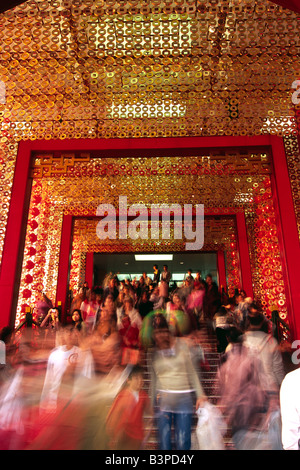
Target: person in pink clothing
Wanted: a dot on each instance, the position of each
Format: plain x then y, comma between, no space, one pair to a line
194,303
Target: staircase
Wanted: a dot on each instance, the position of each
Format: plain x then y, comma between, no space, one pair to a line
208,342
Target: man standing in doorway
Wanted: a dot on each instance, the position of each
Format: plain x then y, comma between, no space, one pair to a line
166,275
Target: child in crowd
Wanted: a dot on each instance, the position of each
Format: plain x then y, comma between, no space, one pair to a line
125,421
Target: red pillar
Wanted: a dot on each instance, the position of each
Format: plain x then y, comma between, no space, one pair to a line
11,266
89,269
287,233
245,266
221,270
64,264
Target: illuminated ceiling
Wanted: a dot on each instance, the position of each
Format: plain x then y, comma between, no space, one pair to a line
148,68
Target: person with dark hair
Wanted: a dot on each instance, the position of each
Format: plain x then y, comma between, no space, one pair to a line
108,309
198,277
112,288
125,420
243,397
189,276
234,336
77,301
166,274
78,322
221,327
241,311
174,381
85,289
194,303
51,326
249,379
147,279
156,275
175,306
129,311
211,301
156,299
6,334
91,308
256,317
129,325
42,307
144,305
263,344
141,288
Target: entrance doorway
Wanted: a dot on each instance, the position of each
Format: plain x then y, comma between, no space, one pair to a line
57,182
125,265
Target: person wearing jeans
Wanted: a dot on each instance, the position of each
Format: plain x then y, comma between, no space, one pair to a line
174,384
181,419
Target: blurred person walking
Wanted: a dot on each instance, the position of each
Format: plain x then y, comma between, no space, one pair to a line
174,381
249,381
125,421
66,364
262,343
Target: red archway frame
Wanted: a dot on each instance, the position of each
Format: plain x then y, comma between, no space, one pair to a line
17,217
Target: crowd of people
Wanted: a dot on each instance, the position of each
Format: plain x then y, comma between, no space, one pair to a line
79,384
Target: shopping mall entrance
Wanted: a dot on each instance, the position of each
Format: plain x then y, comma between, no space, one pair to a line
242,182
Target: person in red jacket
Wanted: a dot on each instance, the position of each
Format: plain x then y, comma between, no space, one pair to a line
125,420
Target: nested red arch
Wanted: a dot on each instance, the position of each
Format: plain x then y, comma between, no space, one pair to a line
282,196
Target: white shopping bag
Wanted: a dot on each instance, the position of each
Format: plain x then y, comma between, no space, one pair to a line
210,429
